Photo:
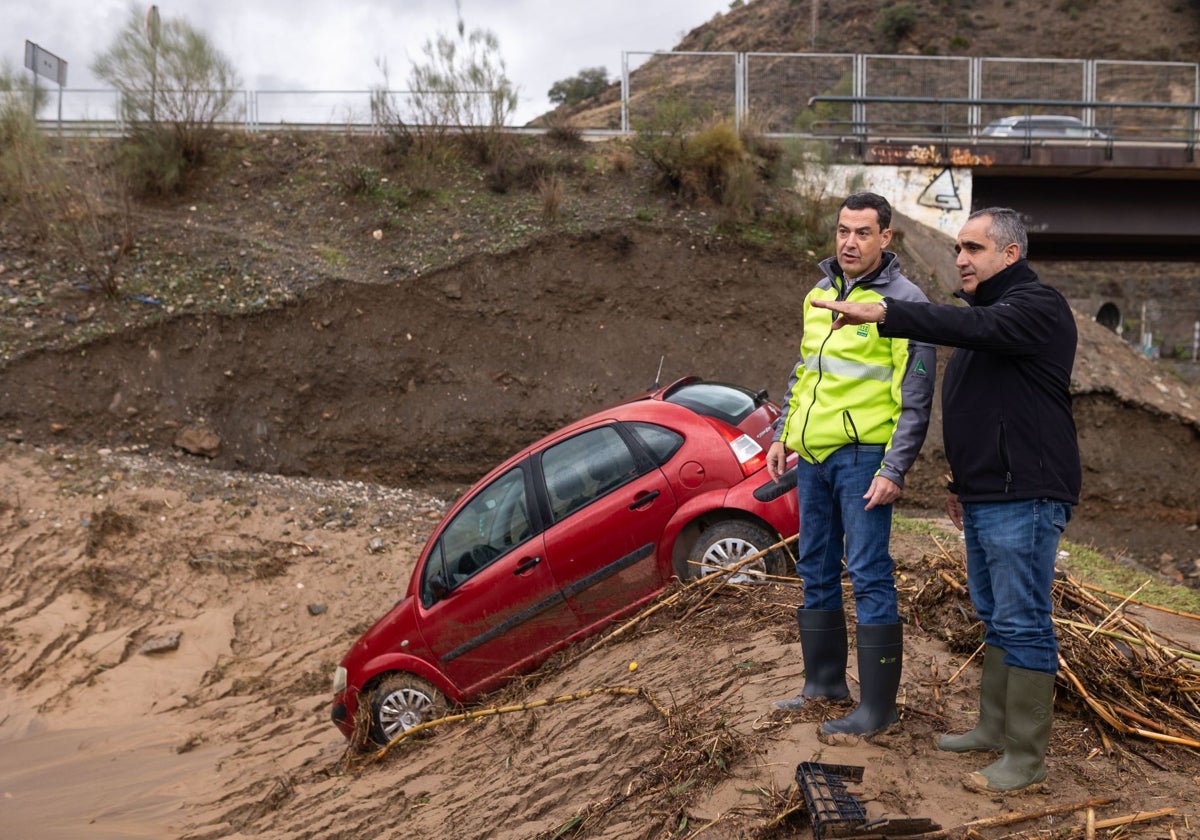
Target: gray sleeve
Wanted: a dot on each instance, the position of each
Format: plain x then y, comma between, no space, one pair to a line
916,401
786,405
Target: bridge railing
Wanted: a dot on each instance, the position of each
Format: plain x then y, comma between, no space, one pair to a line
956,119
772,92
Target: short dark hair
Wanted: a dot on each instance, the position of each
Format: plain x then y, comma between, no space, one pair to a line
869,200
1007,227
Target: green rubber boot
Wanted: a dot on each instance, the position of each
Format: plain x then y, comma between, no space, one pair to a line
988,733
1028,713
823,645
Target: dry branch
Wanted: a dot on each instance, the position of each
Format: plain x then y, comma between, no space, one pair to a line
1011,818
519,707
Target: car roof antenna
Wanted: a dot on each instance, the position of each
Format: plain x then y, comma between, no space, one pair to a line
658,376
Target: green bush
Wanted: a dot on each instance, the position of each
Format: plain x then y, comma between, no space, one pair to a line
662,138
897,22
584,85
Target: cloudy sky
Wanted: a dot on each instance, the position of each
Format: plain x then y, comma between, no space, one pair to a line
326,45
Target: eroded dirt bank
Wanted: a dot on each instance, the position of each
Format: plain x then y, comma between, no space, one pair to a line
430,381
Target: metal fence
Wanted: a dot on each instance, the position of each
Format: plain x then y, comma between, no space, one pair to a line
803,93
795,94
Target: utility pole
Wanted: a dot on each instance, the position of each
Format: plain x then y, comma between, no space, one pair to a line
153,33
812,40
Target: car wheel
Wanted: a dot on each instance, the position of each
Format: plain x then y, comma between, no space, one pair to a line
728,542
400,702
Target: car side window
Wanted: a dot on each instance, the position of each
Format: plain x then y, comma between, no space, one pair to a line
494,521
584,468
660,442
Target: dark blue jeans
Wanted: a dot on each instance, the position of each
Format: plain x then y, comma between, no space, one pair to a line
1011,547
834,524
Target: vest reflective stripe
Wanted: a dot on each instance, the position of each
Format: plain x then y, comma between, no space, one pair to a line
849,369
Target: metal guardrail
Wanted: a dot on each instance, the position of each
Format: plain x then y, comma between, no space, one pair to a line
951,126
779,93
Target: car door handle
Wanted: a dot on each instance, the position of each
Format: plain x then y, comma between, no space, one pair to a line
642,501
527,564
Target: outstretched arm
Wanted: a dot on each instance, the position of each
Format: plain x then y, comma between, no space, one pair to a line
852,313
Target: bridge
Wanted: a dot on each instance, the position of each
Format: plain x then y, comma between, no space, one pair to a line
1127,186
1110,191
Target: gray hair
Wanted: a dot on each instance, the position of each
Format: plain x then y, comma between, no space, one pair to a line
1006,228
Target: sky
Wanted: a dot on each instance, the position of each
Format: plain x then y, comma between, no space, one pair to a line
314,45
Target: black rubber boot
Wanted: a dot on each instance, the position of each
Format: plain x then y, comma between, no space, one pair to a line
880,658
1028,713
988,733
823,645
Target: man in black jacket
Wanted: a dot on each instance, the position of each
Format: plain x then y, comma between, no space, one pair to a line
1010,439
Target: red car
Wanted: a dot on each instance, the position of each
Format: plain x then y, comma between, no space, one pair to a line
573,533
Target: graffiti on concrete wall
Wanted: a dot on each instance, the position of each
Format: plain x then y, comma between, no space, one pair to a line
942,192
936,196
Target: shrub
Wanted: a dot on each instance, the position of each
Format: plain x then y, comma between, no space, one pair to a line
712,156
897,22
551,189
662,138
173,82
564,132
358,178
153,162
86,215
461,83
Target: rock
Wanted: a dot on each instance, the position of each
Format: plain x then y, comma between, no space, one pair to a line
198,439
316,609
161,644
376,545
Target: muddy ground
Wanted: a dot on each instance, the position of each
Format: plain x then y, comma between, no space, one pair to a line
170,632
264,571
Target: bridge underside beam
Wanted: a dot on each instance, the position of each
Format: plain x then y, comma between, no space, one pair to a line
1099,218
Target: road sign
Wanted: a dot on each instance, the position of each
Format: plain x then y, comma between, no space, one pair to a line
153,26
45,63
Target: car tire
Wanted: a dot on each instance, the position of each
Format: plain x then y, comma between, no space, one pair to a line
727,542
401,701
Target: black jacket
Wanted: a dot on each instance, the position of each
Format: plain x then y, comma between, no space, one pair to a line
1006,405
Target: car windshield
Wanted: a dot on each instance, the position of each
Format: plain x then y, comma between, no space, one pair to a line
727,403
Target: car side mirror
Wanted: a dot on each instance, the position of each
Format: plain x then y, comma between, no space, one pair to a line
438,587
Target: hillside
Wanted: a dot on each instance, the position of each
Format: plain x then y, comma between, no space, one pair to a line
1154,30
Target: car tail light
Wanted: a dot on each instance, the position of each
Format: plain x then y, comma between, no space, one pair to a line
749,454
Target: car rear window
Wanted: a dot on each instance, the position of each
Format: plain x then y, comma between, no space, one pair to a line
659,442
728,403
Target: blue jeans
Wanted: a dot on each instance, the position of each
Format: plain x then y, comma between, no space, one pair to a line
1011,547
833,524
